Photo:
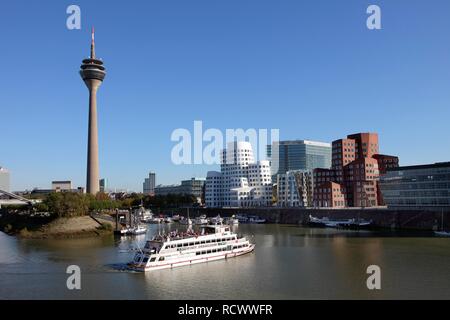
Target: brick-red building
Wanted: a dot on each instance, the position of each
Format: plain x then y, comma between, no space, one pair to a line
353,178
386,162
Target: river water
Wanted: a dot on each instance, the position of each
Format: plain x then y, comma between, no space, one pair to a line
289,262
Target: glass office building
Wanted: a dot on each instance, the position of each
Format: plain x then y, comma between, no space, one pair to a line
299,155
417,186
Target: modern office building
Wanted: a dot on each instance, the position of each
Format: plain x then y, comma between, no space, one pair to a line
419,186
193,186
241,182
92,72
298,155
4,180
103,185
353,178
58,186
295,189
149,184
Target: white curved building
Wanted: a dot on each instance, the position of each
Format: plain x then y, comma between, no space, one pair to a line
241,182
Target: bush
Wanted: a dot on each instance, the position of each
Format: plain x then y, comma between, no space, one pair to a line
7,228
106,227
24,233
67,204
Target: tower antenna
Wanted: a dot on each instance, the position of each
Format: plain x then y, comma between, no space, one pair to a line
92,44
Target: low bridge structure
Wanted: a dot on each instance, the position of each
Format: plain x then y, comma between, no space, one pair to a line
8,198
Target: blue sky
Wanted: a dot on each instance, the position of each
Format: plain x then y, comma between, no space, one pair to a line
310,68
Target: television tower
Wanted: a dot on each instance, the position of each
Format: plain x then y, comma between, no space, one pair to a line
92,72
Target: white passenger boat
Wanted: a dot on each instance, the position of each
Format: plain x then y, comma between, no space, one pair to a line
176,218
201,220
182,249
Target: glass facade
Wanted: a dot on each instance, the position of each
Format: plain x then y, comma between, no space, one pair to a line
417,186
300,155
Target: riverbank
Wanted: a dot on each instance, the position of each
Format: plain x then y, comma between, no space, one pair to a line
49,228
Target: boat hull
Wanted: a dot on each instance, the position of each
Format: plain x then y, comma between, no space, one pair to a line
188,262
442,233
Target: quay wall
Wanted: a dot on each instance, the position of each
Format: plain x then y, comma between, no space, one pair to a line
399,219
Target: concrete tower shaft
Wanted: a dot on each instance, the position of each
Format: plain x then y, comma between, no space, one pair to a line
92,72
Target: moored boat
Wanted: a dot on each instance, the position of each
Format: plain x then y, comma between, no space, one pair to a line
146,216
232,221
168,220
249,219
442,232
217,220
201,220
186,221
255,219
156,220
339,223
137,230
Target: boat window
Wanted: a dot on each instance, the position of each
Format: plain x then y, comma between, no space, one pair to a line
191,243
203,252
161,259
145,260
209,251
152,259
198,253
208,241
179,245
185,244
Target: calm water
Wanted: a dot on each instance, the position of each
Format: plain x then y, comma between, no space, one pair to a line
289,262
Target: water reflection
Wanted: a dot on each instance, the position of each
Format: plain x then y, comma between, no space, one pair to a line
289,262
